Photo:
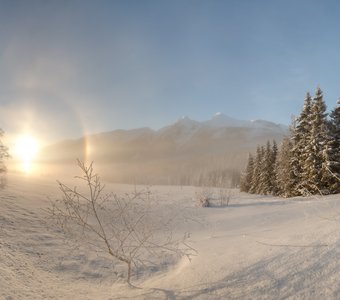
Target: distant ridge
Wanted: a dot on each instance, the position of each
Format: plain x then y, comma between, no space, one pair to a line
220,120
175,154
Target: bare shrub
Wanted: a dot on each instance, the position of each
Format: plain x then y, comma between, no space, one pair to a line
204,197
208,196
224,196
130,228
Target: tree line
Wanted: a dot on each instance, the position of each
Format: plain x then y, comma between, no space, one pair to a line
308,160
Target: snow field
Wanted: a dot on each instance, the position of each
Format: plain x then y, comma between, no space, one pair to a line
259,247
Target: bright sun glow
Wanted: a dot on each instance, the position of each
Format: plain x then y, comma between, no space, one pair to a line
26,149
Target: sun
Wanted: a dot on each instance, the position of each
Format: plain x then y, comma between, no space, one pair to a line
26,149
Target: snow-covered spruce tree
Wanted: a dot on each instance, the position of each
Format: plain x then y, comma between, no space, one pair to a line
256,172
262,185
332,153
314,177
256,184
309,159
273,179
285,177
247,176
263,178
301,136
259,176
267,171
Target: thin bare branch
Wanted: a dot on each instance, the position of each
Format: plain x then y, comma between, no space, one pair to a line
125,227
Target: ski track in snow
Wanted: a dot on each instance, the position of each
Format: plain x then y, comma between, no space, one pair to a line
259,247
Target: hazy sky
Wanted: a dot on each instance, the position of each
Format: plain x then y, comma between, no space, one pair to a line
68,67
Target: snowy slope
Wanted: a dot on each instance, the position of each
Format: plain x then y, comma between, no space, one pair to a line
257,248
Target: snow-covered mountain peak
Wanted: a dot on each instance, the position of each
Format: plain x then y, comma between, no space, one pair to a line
220,115
221,120
184,126
185,121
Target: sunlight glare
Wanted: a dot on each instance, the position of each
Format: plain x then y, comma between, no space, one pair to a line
26,150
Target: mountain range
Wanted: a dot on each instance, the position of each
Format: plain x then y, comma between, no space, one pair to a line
185,152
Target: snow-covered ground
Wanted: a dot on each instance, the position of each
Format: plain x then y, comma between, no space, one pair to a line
257,248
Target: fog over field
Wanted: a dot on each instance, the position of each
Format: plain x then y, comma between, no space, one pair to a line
186,152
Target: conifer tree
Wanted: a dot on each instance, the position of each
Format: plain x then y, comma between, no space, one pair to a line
314,176
247,175
308,161
285,177
261,185
267,171
254,187
301,136
273,176
333,150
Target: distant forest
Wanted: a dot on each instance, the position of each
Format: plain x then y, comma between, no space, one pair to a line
308,160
